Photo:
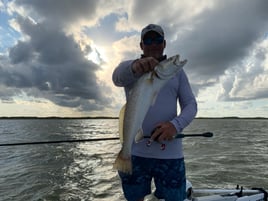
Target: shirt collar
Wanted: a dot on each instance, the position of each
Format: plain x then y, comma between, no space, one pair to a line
164,57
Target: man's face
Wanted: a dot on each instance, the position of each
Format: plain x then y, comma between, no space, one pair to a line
153,45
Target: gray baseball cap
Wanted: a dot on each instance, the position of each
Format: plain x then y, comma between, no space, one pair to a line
152,27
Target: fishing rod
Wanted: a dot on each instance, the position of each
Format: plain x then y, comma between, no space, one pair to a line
59,141
206,134
180,135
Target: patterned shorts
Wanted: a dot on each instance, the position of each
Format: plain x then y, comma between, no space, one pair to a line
168,174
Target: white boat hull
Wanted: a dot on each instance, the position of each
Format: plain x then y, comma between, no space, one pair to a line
220,194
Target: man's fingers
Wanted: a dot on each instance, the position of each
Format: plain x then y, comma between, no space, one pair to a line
144,65
156,134
164,132
152,63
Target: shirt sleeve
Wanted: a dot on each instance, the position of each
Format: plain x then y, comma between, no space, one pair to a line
188,104
123,75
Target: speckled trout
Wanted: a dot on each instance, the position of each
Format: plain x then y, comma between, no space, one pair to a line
140,98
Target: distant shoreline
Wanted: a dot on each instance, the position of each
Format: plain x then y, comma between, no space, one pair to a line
104,117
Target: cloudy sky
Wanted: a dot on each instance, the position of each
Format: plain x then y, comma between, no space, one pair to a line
57,57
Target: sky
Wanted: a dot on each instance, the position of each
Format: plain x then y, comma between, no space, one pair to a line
57,57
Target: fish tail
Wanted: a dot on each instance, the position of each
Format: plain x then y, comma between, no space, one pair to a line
123,164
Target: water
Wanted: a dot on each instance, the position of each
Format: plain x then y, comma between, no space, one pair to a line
237,154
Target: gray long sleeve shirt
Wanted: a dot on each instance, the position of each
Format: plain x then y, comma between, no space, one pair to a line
164,109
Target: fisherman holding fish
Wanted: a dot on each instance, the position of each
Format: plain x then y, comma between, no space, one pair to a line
149,121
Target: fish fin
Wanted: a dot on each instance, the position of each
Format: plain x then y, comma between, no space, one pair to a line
123,164
121,123
139,137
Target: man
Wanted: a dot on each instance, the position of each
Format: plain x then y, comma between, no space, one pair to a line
161,121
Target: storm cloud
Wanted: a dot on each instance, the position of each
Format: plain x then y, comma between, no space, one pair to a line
225,43
50,64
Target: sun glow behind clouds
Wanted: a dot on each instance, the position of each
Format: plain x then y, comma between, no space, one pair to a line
93,56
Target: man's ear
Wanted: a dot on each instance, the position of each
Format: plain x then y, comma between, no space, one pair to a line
141,46
164,43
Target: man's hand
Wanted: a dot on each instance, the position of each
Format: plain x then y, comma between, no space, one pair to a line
144,65
164,131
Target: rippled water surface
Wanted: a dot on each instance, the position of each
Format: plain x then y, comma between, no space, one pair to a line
237,154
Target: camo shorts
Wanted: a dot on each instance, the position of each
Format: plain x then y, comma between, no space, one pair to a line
168,174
